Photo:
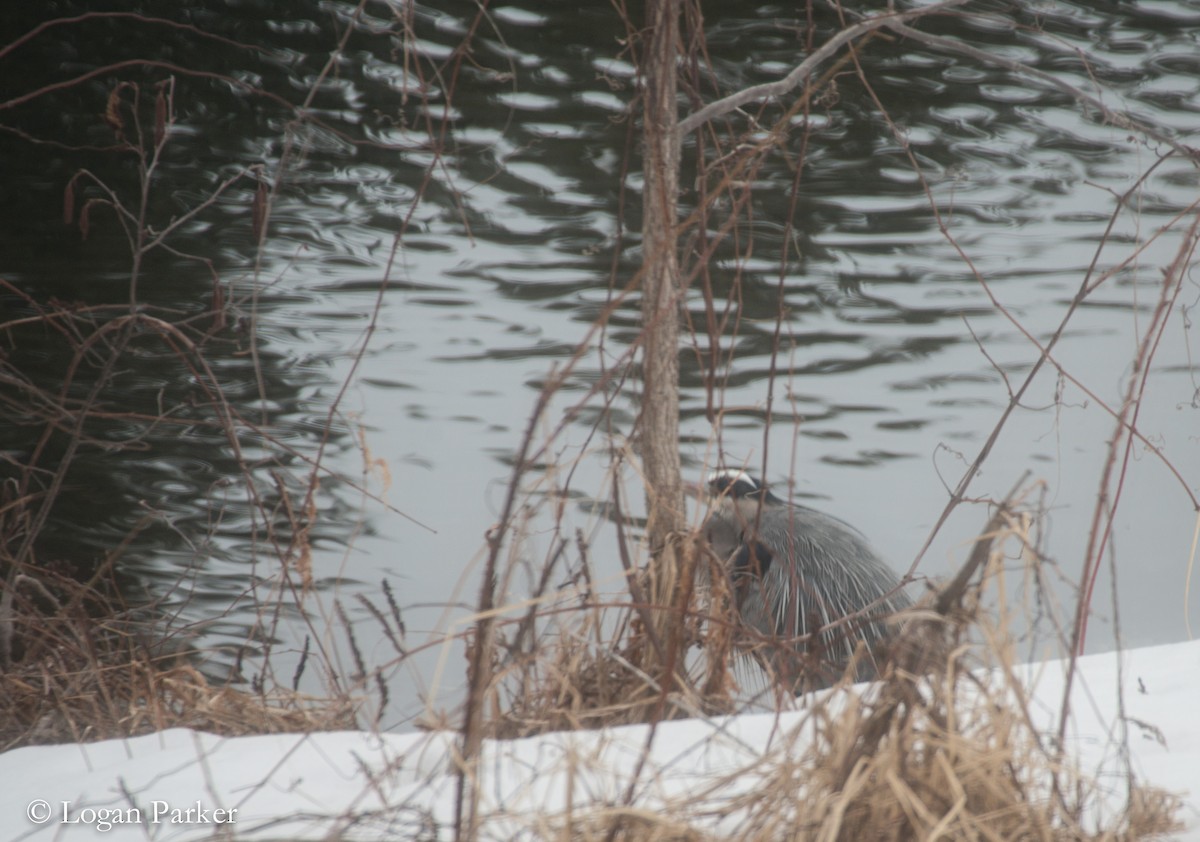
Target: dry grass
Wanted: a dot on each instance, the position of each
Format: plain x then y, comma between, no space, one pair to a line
83,674
943,748
585,672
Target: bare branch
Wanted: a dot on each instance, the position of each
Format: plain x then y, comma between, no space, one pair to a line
802,71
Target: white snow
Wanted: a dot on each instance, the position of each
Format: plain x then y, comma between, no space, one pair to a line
185,785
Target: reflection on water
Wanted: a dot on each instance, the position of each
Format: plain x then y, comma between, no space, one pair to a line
892,362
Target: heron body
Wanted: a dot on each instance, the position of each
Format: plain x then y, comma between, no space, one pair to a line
794,571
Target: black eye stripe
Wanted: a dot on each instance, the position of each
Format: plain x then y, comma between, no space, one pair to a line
735,484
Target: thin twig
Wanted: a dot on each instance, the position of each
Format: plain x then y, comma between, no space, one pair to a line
803,70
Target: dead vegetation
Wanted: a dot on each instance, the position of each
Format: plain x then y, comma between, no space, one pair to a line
85,668
94,392
946,746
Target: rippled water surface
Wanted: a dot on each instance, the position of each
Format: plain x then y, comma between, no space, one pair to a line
446,279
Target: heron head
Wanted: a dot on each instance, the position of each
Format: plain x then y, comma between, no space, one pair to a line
734,499
736,487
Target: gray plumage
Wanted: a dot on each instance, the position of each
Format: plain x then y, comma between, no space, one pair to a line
794,570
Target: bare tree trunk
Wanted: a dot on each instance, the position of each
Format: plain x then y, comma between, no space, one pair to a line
659,437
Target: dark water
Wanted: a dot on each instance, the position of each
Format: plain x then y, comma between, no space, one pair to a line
445,278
